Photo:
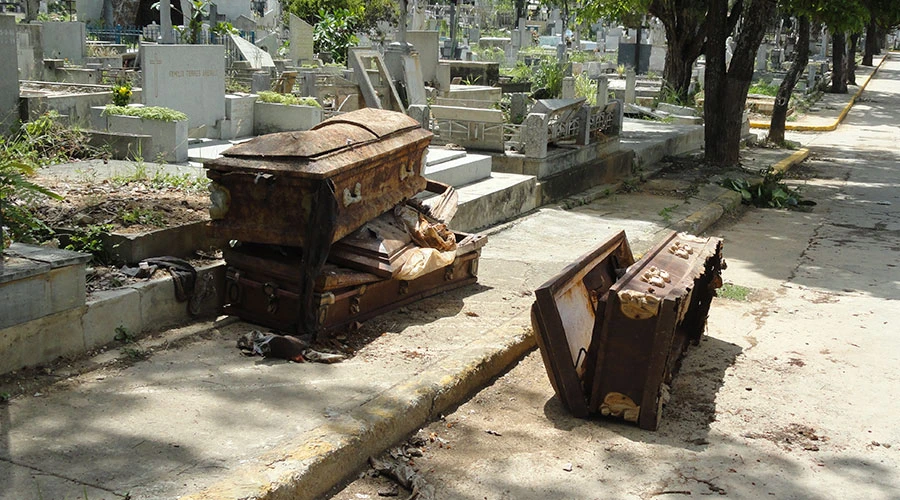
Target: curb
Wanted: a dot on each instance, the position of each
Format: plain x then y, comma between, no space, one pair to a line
729,200
321,459
840,118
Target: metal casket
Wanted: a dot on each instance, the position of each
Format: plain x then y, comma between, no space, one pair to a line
317,186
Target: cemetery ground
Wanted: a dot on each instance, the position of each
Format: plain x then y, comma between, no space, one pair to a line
181,412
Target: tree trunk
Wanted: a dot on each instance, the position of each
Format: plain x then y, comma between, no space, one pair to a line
783,98
726,91
871,45
838,69
851,59
685,35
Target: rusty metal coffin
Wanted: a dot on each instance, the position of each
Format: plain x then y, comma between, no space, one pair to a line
652,314
262,286
564,315
612,340
265,190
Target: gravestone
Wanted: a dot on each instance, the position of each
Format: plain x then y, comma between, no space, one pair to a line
166,33
602,91
627,56
568,88
244,23
427,44
257,57
630,86
189,78
64,41
762,56
301,41
9,81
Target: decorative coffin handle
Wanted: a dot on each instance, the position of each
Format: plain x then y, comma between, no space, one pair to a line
407,170
354,197
220,200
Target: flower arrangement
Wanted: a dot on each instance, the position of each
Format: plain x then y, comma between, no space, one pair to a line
121,94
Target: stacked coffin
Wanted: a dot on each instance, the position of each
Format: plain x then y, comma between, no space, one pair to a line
327,228
612,330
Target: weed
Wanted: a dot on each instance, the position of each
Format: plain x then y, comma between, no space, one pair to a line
89,239
587,88
770,192
136,353
730,291
471,80
146,112
4,397
276,98
763,88
666,213
124,335
143,217
629,185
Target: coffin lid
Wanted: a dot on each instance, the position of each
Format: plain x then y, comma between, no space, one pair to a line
564,315
340,132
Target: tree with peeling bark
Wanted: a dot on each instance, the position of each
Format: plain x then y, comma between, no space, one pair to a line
685,23
726,88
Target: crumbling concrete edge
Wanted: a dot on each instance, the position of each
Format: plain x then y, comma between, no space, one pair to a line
838,120
315,462
729,200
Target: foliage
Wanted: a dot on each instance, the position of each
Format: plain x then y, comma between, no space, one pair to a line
549,75
669,95
336,32
224,28
519,73
587,88
16,194
121,93
276,98
143,217
770,192
89,239
730,291
45,140
490,54
763,88
146,112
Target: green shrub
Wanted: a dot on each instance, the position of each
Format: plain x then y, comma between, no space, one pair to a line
763,88
146,112
276,98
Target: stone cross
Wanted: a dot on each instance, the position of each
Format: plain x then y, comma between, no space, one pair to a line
156,61
166,34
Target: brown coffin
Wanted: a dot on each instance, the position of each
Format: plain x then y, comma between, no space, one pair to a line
648,325
565,312
262,286
611,346
293,188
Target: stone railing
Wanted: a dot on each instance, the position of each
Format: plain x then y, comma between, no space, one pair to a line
555,122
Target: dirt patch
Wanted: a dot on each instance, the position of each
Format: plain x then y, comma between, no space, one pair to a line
126,206
793,435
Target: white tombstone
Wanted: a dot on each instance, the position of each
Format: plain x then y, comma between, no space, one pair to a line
301,41
630,86
188,78
602,91
258,58
762,57
64,41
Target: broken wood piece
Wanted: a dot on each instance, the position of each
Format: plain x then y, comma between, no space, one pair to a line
406,476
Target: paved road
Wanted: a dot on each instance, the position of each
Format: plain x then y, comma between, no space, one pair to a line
794,394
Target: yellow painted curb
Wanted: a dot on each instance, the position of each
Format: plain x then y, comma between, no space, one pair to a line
840,118
798,156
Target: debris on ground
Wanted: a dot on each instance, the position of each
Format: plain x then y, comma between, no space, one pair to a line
406,476
273,345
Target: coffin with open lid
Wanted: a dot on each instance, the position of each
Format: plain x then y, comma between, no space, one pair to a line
293,188
612,338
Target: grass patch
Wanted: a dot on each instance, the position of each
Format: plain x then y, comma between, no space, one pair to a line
730,291
146,112
292,100
143,217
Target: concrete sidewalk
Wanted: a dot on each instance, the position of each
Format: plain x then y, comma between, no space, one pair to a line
829,111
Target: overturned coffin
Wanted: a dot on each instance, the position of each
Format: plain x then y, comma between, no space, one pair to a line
612,331
315,187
